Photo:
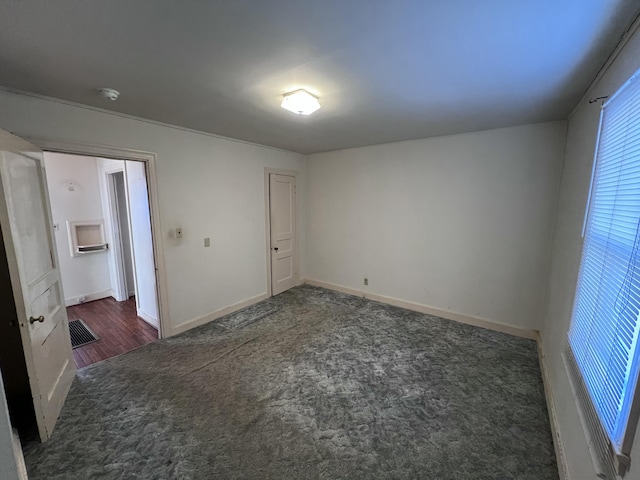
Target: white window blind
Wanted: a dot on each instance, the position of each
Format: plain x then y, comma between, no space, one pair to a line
605,327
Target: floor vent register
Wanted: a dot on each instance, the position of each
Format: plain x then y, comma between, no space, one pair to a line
81,334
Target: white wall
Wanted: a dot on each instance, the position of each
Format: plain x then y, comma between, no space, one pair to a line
83,275
142,242
462,223
567,250
8,463
210,186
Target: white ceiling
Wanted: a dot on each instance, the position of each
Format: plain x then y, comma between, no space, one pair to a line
385,70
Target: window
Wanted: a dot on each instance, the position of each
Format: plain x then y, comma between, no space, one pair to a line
603,337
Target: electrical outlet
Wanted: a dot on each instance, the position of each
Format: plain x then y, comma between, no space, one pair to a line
366,281
207,242
178,232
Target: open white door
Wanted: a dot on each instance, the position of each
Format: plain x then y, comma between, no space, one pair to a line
25,219
282,210
142,242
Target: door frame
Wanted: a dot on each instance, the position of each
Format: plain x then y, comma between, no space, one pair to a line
267,223
150,161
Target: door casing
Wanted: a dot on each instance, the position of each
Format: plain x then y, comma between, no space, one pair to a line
150,161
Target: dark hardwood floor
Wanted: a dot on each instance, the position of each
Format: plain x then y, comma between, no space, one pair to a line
117,325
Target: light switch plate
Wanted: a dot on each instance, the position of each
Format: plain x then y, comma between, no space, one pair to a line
178,232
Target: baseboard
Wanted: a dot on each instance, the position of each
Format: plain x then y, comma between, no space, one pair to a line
89,297
150,319
419,307
337,288
221,312
561,458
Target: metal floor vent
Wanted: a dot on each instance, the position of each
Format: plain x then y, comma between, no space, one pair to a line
81,334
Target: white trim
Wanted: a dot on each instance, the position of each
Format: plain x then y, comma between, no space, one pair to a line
89,150
561,458
598,444
150,161
622,42
89,297
147,317
221,312
419,307
267,225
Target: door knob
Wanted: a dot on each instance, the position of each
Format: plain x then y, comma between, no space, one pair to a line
275,248
33,320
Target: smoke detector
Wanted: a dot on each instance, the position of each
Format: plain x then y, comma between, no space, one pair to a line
109,94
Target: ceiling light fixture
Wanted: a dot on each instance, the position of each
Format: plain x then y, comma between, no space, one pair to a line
300,102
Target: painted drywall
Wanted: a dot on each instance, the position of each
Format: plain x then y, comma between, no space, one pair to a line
8,463
461,223
142,242
75,196
208,185
566,253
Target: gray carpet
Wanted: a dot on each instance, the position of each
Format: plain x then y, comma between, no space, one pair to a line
309,384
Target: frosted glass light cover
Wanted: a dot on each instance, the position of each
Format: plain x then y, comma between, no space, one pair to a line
300,102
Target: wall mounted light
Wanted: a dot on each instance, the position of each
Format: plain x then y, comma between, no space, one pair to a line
300,102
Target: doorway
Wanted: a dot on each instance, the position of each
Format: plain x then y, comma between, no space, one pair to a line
13,366
102,223
31,253
282,242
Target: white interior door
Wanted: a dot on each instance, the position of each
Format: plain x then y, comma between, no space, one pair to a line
25,218
282,211
144,265
122,218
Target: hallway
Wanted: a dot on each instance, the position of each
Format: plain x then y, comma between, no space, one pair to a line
116,324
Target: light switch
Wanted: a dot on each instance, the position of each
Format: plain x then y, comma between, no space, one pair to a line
178,232
207,242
